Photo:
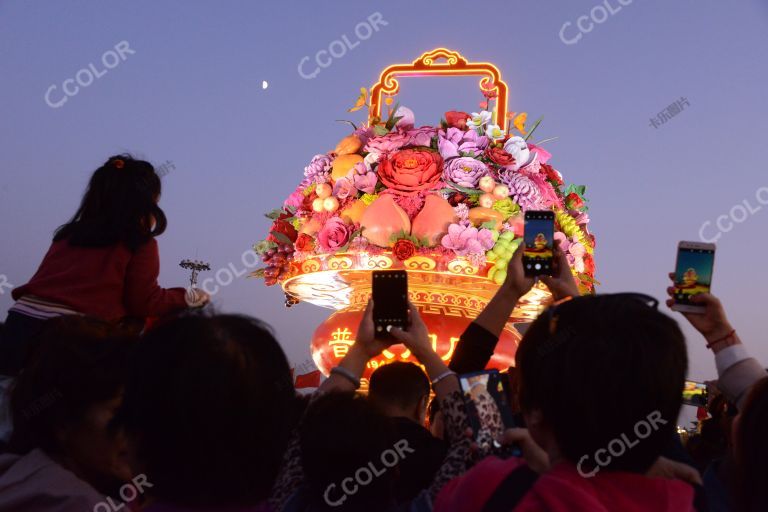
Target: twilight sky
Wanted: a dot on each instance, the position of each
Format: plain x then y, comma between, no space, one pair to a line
181,82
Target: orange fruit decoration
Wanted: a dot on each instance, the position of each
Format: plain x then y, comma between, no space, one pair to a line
348,145
342,164
382,219
433,220
480,215
353,213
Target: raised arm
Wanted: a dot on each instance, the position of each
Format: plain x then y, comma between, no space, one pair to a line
477,343
737,371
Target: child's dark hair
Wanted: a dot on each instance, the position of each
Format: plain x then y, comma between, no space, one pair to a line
119,205
596,367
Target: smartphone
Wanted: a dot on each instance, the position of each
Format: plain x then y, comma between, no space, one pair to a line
486,399
695,394
539,236
693,274
390,300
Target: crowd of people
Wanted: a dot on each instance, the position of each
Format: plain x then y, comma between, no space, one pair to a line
117,394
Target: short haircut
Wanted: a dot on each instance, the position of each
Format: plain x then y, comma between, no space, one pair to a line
210,405
74,364
400,383
339,434
597,366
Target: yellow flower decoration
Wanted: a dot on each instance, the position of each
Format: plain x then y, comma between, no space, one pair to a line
361,100
572,230
369,198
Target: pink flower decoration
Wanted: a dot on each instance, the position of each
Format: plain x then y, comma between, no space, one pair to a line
333,235
465,239
408,118
542,153
453,141
574,251
296,199
421,136
387,143
344,188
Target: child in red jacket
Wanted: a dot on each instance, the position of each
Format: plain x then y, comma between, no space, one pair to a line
103,263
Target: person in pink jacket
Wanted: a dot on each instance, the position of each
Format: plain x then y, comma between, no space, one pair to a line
600,389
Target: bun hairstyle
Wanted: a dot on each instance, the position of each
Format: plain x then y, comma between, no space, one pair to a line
119,206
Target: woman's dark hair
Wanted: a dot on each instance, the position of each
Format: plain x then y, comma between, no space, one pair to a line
598,367
752,451
340,434
209,406
119,205
76,363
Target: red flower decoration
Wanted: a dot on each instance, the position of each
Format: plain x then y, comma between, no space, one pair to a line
574,202
457,119
552,174
498,156
284,228
404,249
305,243
410,171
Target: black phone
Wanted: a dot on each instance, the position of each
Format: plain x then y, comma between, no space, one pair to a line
539,237
486,398
390,300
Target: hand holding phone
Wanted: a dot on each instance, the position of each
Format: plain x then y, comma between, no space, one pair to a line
390,301
695,394
693,275
539,235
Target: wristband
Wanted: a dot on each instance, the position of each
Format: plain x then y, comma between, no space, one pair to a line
443,375
727,337
343,372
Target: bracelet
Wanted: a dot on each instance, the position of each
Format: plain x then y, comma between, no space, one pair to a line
443,375
343,372
720,340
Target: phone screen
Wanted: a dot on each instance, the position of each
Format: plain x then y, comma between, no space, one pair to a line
695,393
390,300
693,274
487,402
539,242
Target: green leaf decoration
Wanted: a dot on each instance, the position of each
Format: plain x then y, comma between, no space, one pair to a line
380,130
281,237
533,128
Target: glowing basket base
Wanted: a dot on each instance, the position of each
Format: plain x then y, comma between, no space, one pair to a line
449,294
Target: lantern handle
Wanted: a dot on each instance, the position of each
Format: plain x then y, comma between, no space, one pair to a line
455,65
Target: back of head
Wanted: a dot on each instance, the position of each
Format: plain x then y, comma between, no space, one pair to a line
209,406
751,447
119,206
341,435
76,363
399,385
607,375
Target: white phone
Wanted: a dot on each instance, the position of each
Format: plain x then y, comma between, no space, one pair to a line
693,274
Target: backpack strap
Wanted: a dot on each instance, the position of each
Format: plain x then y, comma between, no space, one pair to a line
511,490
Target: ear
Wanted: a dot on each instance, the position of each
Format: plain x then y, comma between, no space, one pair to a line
421,409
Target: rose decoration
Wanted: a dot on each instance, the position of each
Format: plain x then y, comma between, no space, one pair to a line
552,174
305,243
573,201
333,235
343,188
457,119
410,171
464,171
404,249
281,228
499,157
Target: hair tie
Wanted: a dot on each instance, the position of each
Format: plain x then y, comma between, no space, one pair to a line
117,162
